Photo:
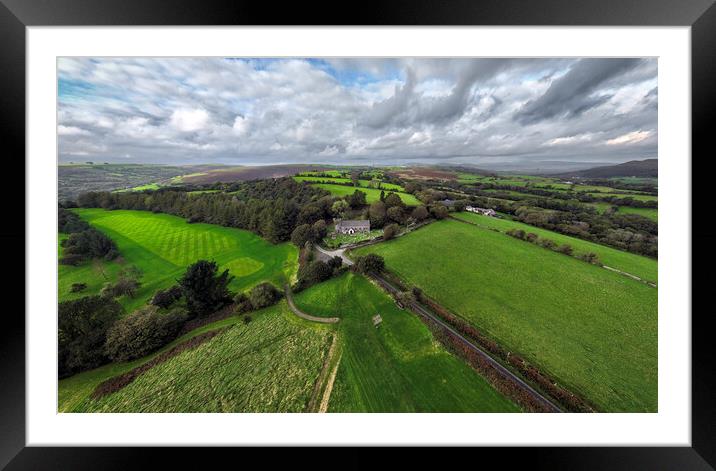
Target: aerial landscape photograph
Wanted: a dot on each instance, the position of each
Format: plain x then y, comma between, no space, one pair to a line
343,234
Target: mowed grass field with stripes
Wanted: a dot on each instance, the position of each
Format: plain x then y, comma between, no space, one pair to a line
162,246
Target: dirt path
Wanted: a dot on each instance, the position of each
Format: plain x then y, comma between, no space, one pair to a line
303,315
329,388
324,384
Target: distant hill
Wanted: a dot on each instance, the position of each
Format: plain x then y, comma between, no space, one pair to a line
633,168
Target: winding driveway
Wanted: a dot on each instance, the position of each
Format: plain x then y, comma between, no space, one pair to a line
303,315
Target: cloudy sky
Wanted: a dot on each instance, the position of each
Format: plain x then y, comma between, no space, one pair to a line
380,111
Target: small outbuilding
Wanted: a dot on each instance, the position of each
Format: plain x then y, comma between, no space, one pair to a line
377,320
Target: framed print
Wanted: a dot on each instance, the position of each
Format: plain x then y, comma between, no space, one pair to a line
421,226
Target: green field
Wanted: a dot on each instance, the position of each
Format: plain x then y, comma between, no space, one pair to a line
94,274
593,330
643,267
148,186
372,195
398,366
651,213
363,183
162,246
268,365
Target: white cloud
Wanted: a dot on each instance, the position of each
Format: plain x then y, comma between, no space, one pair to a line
71,131
629,138
185,110
188,120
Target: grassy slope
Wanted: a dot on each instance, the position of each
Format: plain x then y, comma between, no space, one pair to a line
642,267
269,365
162,246
397,367
594,330
363,183
94,274
372,195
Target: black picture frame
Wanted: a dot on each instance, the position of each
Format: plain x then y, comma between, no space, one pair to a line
700,15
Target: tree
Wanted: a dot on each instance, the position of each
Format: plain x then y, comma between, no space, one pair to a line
205,291
320,230
355,178
166,297
396,214
420,213
370,263
82,330
377,214
143,332
393,199
314,272
264,295
382,195
439,211
339,208
357,199
334,263
390,231
301,235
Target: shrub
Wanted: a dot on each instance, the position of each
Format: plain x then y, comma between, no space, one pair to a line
143,332
82,330
263,295
77,287
247,319
591,257
166,297
335,263
370,263
71,259
531,237
243,303
565,249
516,233
548,244
390,231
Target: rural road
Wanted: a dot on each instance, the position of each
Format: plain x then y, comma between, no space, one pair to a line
336,253
495,364
303,315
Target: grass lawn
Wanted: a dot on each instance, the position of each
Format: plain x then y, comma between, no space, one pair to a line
643,267
398,366
372,195
593,330
162,246
268,365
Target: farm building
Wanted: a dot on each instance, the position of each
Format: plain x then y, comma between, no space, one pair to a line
483,211
448,203
352,227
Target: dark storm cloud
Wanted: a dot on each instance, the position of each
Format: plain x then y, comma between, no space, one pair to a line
571,95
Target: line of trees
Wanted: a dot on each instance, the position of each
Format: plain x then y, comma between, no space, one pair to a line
270,208
84,242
